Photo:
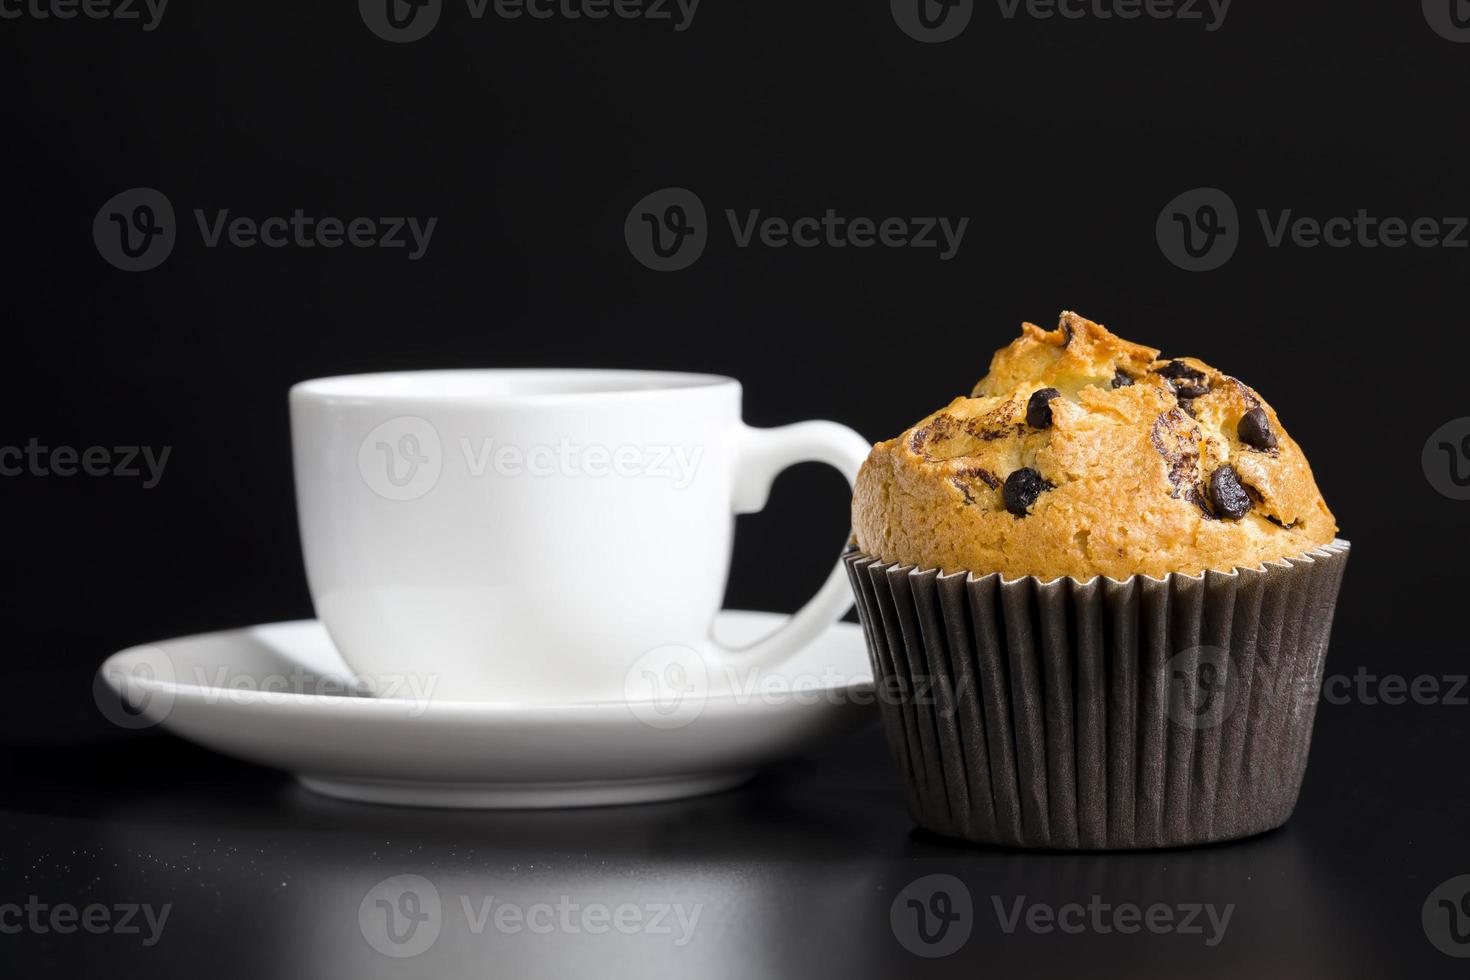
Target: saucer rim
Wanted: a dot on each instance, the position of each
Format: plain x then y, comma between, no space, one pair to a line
244,698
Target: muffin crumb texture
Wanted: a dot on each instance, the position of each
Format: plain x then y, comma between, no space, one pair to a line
1081,454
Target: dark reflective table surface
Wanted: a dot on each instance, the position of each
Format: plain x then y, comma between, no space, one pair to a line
813,869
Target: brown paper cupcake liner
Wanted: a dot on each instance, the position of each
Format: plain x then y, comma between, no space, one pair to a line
1149,712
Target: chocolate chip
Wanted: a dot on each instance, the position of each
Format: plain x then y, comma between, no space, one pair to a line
1038,408
1067,334
1227,496
1255,430
1121,380
1188,405
1021,490
1187,381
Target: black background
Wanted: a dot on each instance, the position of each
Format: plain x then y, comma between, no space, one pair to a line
1060,140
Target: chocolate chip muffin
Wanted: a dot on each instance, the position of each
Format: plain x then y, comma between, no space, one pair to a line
1080,454
1097,595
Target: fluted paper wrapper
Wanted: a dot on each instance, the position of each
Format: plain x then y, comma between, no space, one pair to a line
1148,712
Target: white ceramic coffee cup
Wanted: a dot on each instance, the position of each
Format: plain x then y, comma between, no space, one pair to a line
529,535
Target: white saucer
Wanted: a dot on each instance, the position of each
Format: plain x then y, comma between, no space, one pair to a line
279,695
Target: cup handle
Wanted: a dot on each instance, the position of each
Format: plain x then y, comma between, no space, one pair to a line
760,456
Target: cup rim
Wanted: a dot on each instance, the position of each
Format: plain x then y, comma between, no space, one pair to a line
502,386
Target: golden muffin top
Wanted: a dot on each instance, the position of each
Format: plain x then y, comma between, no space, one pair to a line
1081,454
